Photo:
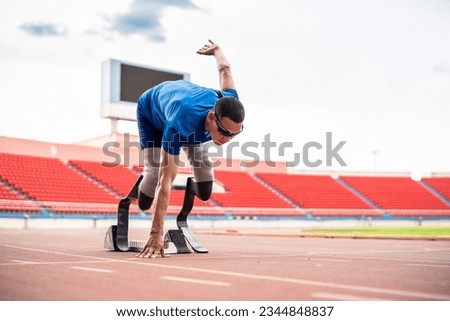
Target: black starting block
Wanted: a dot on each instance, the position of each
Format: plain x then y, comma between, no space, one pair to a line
116,238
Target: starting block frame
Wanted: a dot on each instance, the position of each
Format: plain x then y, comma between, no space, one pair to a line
116,238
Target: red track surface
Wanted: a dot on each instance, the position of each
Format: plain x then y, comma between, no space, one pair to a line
72,265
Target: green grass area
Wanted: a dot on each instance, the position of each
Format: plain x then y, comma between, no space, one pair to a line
415,231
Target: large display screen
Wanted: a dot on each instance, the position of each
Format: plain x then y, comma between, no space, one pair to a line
124,82
135,80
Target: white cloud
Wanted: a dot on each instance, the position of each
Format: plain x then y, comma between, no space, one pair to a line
43,29
144,18
375,74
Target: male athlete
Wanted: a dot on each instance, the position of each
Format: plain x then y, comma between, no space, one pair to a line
177,115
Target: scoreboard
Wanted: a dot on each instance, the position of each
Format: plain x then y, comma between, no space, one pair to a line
123,83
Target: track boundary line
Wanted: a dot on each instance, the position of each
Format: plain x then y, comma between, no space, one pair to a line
401,293
82,268
193,280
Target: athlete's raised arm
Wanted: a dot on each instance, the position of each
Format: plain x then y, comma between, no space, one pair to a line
223,66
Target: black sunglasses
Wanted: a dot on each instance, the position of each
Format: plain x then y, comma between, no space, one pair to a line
224,131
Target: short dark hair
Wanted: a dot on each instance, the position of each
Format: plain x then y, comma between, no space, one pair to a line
230,107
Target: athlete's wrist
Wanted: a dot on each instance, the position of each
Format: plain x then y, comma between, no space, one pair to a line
157,230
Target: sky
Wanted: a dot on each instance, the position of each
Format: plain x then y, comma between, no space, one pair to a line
375,75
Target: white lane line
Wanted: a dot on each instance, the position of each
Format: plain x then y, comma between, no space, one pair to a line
401,293
428,265
91,269
269,256
343,297
14,262
196,281
20,262
393,259
329,260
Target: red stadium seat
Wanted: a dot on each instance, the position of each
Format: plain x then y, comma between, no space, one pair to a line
48,179
242,190
440,185
399,196
30,184
118,178
320,195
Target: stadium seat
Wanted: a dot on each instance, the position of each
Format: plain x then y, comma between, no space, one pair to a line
242,190
320,195
118,178
7,193
30,184
49,180
399,196
440,185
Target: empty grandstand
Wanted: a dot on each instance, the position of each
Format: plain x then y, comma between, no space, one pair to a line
399,196
320,195
75,180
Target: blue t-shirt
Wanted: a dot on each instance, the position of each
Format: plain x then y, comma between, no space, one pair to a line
178,110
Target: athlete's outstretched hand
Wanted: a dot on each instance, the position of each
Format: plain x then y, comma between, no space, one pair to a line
208,49
225,77
155,245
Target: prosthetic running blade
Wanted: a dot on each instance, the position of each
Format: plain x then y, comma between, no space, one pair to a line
116,238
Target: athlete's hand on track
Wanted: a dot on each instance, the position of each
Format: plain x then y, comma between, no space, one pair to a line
208,49
155,245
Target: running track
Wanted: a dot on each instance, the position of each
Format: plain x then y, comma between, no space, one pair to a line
67,264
